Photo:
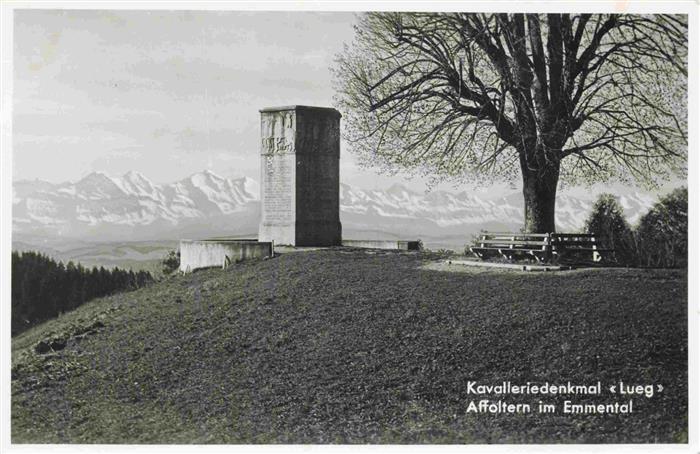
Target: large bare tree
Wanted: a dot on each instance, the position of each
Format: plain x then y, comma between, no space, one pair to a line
490,97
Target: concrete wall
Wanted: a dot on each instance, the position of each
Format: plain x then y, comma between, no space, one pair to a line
195,254
402,245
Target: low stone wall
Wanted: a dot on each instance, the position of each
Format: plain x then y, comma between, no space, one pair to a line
403,245
221,252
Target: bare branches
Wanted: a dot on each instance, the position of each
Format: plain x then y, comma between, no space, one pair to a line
468,93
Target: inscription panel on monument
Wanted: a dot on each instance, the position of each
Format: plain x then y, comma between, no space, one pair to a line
278,161
279,183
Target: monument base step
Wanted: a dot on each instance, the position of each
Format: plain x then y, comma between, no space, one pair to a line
401,245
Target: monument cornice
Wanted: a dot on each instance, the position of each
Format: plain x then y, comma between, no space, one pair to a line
305,153
298,107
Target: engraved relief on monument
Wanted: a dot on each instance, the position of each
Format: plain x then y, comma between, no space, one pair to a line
278,133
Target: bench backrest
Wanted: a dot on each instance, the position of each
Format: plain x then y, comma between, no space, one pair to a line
573,240
515,240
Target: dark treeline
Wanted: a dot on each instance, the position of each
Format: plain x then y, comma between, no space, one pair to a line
43,288
660,238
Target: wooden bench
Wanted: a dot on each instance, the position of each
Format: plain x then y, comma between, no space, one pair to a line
510,245
575,245
540,246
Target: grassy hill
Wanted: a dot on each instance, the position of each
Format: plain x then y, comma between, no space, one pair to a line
350,346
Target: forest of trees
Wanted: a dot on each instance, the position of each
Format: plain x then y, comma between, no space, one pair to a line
43,288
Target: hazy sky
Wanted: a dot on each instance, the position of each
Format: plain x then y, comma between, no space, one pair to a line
167,93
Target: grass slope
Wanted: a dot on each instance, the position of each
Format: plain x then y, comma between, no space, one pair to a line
347,346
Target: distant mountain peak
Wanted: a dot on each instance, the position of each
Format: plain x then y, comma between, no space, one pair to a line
212,174
95,175
399,189
98,183
135,175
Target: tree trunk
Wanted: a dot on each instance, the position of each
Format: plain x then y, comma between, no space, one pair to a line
540,193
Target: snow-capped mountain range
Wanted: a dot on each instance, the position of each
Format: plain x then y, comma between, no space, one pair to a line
130,207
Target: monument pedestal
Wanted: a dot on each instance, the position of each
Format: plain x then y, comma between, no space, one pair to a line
300,175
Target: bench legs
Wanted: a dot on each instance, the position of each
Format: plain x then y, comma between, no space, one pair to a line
537,257
478,254
509,254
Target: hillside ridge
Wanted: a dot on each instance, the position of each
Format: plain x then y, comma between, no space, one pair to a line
348,346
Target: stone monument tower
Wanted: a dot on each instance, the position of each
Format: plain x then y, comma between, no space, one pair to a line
300,191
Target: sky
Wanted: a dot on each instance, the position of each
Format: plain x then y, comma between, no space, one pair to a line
165,93
168,93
